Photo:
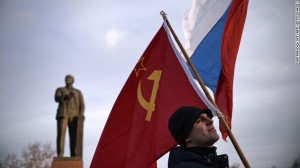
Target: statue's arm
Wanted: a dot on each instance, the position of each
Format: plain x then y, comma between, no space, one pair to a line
82,106
61,96
58,97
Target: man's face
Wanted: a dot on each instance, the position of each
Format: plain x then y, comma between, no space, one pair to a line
203,133
69,79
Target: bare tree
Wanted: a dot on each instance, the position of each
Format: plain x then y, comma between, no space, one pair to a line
296,163
34,155
37,155
10,161
235,165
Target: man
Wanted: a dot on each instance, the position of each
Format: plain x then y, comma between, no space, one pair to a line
193,130
70,109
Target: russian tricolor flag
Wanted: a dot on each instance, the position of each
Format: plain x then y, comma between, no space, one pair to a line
213,30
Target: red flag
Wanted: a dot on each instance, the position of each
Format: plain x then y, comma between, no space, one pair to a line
136,133
230,45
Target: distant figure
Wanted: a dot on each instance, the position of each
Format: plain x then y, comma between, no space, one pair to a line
69,114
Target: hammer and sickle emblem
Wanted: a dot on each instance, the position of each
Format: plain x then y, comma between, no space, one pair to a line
149,106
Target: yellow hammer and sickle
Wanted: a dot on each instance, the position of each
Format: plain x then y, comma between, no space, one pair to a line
150,106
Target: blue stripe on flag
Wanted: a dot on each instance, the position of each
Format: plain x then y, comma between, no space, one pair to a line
207,56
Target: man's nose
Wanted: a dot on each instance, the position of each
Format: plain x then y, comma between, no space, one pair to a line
209,121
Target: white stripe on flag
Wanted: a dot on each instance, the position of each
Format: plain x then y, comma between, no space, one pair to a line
200,19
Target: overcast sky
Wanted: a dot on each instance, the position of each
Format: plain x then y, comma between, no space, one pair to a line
100,41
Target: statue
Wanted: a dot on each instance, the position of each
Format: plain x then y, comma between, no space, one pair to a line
69,114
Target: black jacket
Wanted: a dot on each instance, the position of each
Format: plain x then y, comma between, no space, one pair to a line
196,158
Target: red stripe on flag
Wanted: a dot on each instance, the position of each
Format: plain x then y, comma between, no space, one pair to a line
230,45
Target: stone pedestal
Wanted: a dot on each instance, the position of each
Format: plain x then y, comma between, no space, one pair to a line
67,162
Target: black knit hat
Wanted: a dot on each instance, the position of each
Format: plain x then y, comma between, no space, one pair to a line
182,121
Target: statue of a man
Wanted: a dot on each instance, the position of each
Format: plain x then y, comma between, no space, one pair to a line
69,114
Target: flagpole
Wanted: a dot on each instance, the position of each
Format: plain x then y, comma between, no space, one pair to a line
219,114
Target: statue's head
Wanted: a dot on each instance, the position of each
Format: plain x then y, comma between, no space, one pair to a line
69,79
